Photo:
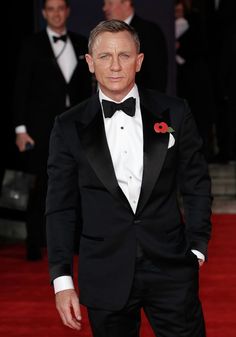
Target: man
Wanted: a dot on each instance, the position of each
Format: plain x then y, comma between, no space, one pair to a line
154,71
52,77
193,80
116,170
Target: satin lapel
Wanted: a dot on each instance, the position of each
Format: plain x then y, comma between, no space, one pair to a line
94,142
50,53
47,45
155,149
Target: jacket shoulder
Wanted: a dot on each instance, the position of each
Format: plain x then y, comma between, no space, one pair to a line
144,26
34,42
81,112
166,101
79,39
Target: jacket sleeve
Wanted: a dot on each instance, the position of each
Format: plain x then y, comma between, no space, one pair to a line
62,205
22,88
195,185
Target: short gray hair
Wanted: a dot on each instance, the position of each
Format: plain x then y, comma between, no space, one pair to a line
112,26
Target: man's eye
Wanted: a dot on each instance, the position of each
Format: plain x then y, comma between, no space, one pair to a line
125,56
103,57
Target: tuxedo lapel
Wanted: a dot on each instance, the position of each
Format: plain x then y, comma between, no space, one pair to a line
79,57
46,45
93,139
94,142
155,149
50,55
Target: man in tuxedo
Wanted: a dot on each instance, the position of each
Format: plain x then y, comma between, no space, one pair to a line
52,76
154,70
117,162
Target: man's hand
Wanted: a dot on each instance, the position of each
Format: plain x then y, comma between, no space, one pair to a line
22,139
67,304
200,262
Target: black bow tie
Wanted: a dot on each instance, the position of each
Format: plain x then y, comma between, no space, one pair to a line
128,106
62,38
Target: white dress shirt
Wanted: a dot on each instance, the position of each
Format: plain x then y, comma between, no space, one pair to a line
181,26
129,19
125,141
64,54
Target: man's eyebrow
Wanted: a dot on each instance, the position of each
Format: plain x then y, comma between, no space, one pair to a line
121,52
104,52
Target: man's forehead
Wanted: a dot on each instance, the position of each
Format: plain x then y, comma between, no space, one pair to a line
111,39
111,2
108,36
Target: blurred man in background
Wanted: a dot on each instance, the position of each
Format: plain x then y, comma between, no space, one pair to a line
154,70
52,77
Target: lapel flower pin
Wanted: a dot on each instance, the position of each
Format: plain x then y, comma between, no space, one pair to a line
162,127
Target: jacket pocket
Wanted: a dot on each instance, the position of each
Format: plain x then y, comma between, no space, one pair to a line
94,238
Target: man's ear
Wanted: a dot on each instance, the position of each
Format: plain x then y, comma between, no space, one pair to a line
89,60
139,62
68,12
43,14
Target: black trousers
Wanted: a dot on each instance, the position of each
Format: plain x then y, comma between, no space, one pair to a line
171,306
35,221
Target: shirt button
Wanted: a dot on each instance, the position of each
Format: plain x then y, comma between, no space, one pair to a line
130,177
134,201
122,128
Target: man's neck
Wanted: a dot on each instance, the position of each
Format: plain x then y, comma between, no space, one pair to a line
129,16
58,31
119,96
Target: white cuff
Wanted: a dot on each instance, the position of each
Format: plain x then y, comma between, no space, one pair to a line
20,129
63,283
199,255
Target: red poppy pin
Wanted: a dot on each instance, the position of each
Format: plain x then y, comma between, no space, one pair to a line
162,127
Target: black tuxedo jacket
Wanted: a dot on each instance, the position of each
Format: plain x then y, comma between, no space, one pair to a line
41,88
154,69
83,188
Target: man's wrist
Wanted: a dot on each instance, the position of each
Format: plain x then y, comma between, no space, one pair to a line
199,255
20,129
63,283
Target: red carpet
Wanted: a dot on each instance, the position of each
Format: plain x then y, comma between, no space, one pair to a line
27,301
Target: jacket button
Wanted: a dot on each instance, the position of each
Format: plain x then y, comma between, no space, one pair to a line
136,222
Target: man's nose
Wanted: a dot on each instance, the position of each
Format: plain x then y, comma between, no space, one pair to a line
115,64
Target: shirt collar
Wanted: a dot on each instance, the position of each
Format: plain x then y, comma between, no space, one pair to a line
51,33
133,93
129,19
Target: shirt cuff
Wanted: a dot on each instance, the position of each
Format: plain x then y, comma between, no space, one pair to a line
20,129
63,283
199,255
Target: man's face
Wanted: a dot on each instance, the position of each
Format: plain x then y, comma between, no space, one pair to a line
56,13
115,61
115,9
179,11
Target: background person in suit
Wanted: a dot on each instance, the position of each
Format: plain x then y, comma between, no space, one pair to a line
154,70
193,75
116,162
52,76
